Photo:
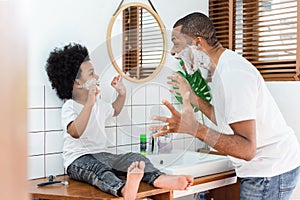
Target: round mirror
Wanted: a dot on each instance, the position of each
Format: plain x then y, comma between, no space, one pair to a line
136,42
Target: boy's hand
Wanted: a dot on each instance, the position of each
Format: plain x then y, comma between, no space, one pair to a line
93,92
117,83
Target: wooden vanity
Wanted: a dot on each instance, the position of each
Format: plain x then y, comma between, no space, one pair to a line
82,191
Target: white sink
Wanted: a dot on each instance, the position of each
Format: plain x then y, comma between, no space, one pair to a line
191,163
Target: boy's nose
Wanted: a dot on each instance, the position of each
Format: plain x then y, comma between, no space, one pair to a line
173,51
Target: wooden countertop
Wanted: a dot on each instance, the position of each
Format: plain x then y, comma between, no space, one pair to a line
82,191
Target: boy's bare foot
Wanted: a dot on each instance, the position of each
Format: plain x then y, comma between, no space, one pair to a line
174,182
135,174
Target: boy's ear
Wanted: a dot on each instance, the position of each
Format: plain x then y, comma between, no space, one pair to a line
77,83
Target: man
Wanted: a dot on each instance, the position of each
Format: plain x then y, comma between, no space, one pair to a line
250,128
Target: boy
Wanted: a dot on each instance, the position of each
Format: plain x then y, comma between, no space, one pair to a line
83,118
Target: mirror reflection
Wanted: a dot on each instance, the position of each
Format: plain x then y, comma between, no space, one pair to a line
136,42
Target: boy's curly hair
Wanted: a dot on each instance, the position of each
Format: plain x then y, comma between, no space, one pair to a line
63,67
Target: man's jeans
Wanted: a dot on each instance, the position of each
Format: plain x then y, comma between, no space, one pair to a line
104,170
269,188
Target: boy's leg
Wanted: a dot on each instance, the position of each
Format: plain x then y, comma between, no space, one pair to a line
121,164
91,170
152,175
135,173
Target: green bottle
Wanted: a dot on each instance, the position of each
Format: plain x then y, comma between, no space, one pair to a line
143,144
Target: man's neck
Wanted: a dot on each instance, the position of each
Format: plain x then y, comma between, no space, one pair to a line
215,53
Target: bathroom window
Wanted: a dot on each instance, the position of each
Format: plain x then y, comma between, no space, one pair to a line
263,31
142,43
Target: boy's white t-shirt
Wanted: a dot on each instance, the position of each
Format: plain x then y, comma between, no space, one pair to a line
239,93
93,139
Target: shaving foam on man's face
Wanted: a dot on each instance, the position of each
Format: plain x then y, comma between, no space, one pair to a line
194,59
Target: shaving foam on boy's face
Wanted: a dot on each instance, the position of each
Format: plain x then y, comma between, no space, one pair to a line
91,82
194,59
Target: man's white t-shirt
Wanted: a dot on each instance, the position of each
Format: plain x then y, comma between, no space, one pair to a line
93,139
239,94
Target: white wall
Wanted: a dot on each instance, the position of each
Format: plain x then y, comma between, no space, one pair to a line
287,96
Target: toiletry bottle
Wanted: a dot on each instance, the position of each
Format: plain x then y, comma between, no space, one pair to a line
143,144
165,144
202,196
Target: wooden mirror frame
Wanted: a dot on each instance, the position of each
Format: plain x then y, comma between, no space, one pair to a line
164,38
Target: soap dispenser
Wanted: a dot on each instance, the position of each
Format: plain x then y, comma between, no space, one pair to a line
143,144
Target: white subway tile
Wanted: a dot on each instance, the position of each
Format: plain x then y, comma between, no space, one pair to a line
138,114
36,167
54,142
53,119
123,135
35,120
54,165
135,148
124,118
36,143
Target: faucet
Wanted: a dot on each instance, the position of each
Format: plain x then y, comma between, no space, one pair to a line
153,144
161,144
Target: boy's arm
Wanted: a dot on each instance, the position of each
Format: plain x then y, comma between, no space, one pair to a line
120,100
119,103
77,127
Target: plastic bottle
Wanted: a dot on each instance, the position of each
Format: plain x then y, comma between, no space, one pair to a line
143,144
202,196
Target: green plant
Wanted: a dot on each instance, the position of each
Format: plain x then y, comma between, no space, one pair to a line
198,85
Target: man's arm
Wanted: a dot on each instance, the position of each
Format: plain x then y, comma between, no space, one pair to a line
242,144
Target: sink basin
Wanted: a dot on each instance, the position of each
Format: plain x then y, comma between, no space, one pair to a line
191,163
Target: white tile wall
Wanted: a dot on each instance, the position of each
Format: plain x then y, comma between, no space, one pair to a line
46,136
54,164
53,116
54,142
36,167
35,120
36,143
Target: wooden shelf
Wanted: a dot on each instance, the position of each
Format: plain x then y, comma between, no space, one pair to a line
81,191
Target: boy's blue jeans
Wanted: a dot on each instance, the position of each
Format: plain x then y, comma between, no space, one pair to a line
269,188
107,171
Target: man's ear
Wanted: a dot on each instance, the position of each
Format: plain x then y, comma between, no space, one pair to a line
198,41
